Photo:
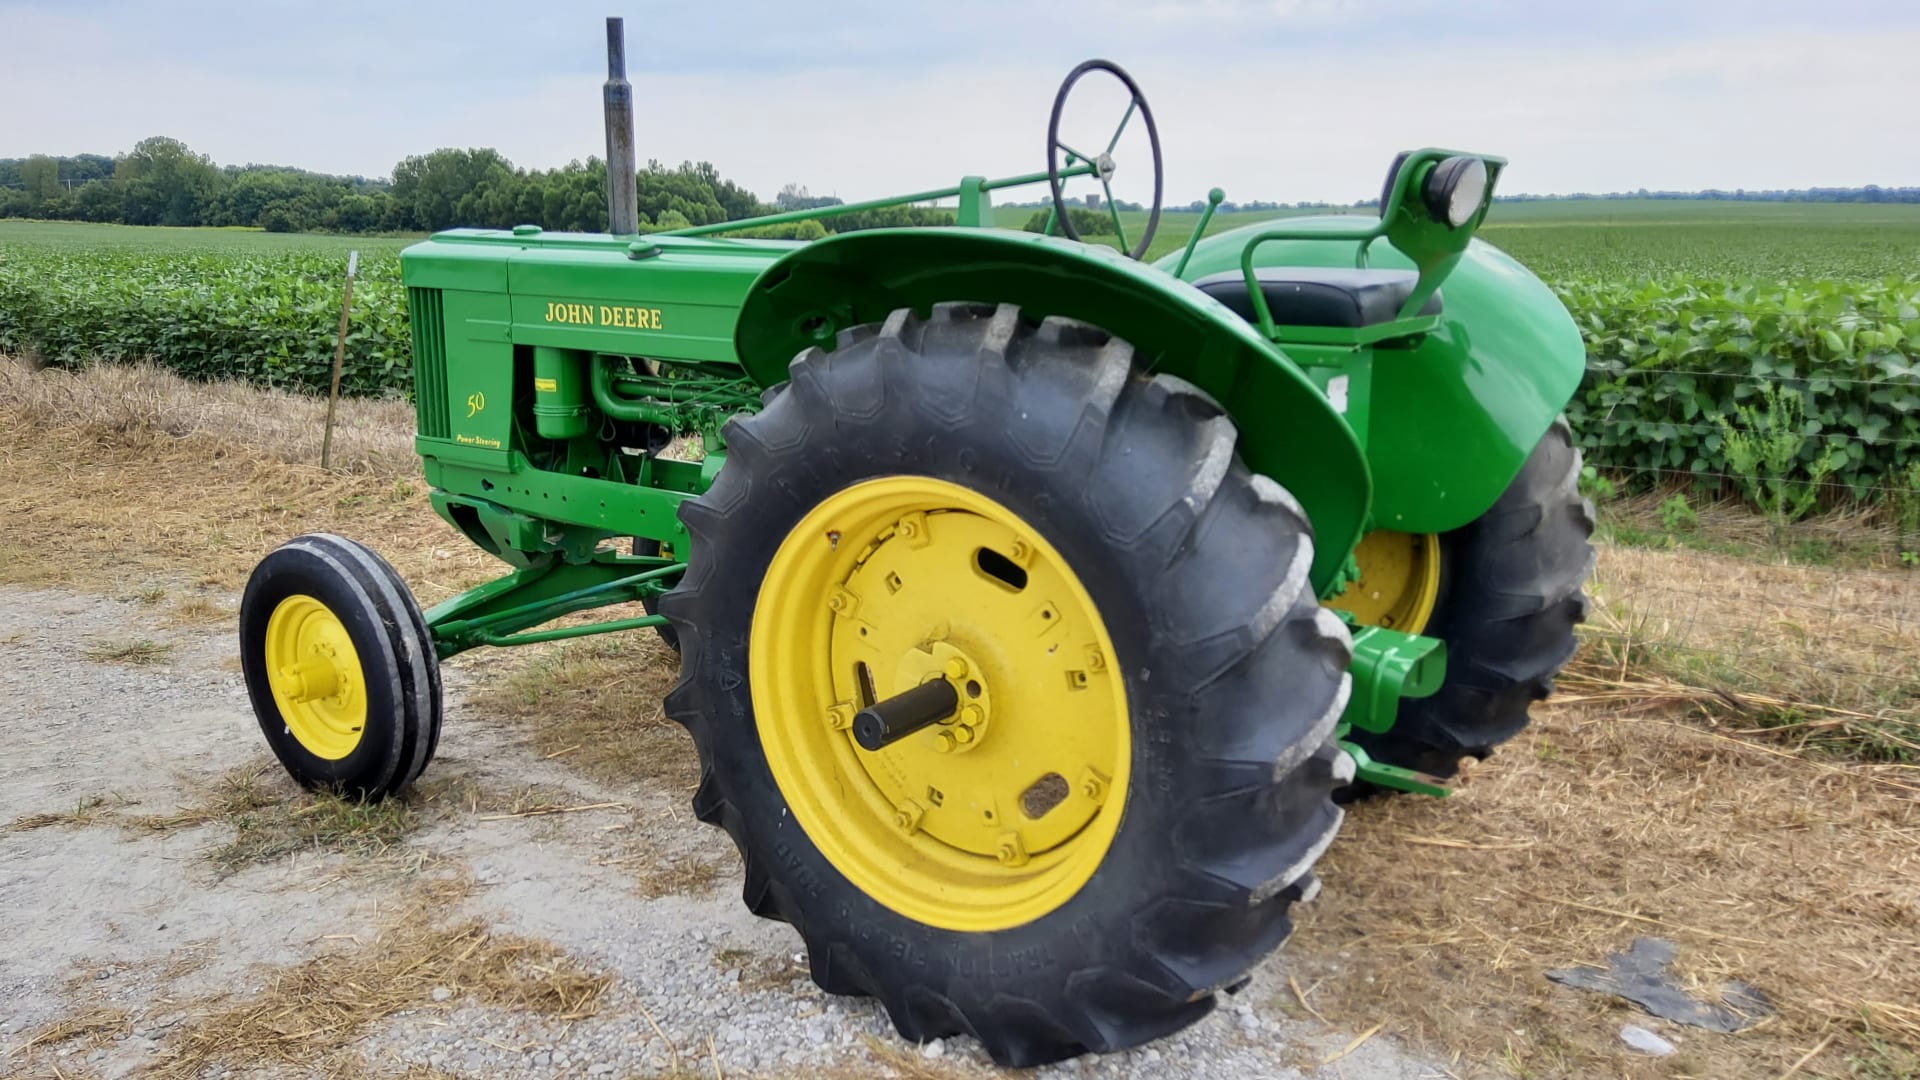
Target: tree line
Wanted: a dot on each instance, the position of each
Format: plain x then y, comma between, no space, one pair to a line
162,182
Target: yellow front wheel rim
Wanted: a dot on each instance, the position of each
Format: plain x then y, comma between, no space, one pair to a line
314,673
1399,581
997,815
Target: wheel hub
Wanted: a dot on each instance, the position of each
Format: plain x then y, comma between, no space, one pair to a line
999,809
1399,581
314,674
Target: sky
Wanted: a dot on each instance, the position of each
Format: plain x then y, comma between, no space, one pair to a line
1281,100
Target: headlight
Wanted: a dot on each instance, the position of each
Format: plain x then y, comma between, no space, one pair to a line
1455,190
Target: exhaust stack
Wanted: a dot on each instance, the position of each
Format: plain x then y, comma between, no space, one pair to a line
623,198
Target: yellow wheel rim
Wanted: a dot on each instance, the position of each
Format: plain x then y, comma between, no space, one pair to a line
997,815
1399,581
315,677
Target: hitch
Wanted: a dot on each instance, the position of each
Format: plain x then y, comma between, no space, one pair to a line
1387,667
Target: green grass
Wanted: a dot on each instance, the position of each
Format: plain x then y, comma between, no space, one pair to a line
1175,225
1615,238
1629,240
76,236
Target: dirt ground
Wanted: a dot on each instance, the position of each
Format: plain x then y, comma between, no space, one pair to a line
544,904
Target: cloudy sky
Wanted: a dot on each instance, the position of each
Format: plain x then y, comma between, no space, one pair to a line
1273,99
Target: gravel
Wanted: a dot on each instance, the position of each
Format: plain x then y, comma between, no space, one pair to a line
103,915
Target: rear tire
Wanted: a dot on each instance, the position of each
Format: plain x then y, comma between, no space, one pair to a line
365,720
1233,676
1511,593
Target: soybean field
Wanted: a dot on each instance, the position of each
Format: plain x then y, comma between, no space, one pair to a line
1698,316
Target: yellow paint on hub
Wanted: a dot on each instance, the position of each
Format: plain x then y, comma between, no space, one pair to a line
315,677
998,814
1399,581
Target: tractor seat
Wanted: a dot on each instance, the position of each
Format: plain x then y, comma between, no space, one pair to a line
1343,297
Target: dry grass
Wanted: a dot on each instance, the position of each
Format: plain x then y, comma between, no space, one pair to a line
594,705
1599,825
371,436
908,1064
1827,655
118,473
145,594
270,818
318,1007
198,611
133,652
96,1025
760,971
88,811
686,875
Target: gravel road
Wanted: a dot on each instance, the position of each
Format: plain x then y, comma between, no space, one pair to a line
102,913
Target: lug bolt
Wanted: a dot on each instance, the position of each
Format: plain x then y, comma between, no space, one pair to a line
907,816
944,742
956,668
961,734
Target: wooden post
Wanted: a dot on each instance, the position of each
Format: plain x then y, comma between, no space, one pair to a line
339,356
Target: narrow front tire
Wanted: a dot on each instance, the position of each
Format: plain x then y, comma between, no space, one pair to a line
340,667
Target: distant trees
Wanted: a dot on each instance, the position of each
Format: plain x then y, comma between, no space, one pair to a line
162,182
40,177
797,197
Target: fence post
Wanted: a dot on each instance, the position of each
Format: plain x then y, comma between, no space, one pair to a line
339,355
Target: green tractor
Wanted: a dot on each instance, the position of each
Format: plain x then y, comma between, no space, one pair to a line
1038,607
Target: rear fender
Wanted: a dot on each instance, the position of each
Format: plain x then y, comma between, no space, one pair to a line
1455,414
1288,430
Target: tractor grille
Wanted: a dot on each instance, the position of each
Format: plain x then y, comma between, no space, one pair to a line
430,363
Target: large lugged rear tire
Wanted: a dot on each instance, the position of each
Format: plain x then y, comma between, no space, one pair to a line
1510,595
340,667
1125,520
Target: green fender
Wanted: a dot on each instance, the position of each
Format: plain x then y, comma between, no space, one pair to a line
1288,430
1455,416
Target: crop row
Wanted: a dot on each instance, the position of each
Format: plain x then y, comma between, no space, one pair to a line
1668,357
268,319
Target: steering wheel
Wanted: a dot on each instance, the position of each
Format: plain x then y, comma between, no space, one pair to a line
1103,162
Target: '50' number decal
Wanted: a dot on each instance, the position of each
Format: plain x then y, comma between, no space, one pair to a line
476,402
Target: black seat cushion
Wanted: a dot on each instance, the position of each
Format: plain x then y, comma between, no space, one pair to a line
1320,295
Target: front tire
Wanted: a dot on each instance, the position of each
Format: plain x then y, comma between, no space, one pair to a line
1207,729
340,667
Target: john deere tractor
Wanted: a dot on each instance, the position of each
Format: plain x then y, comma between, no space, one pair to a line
1038,606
